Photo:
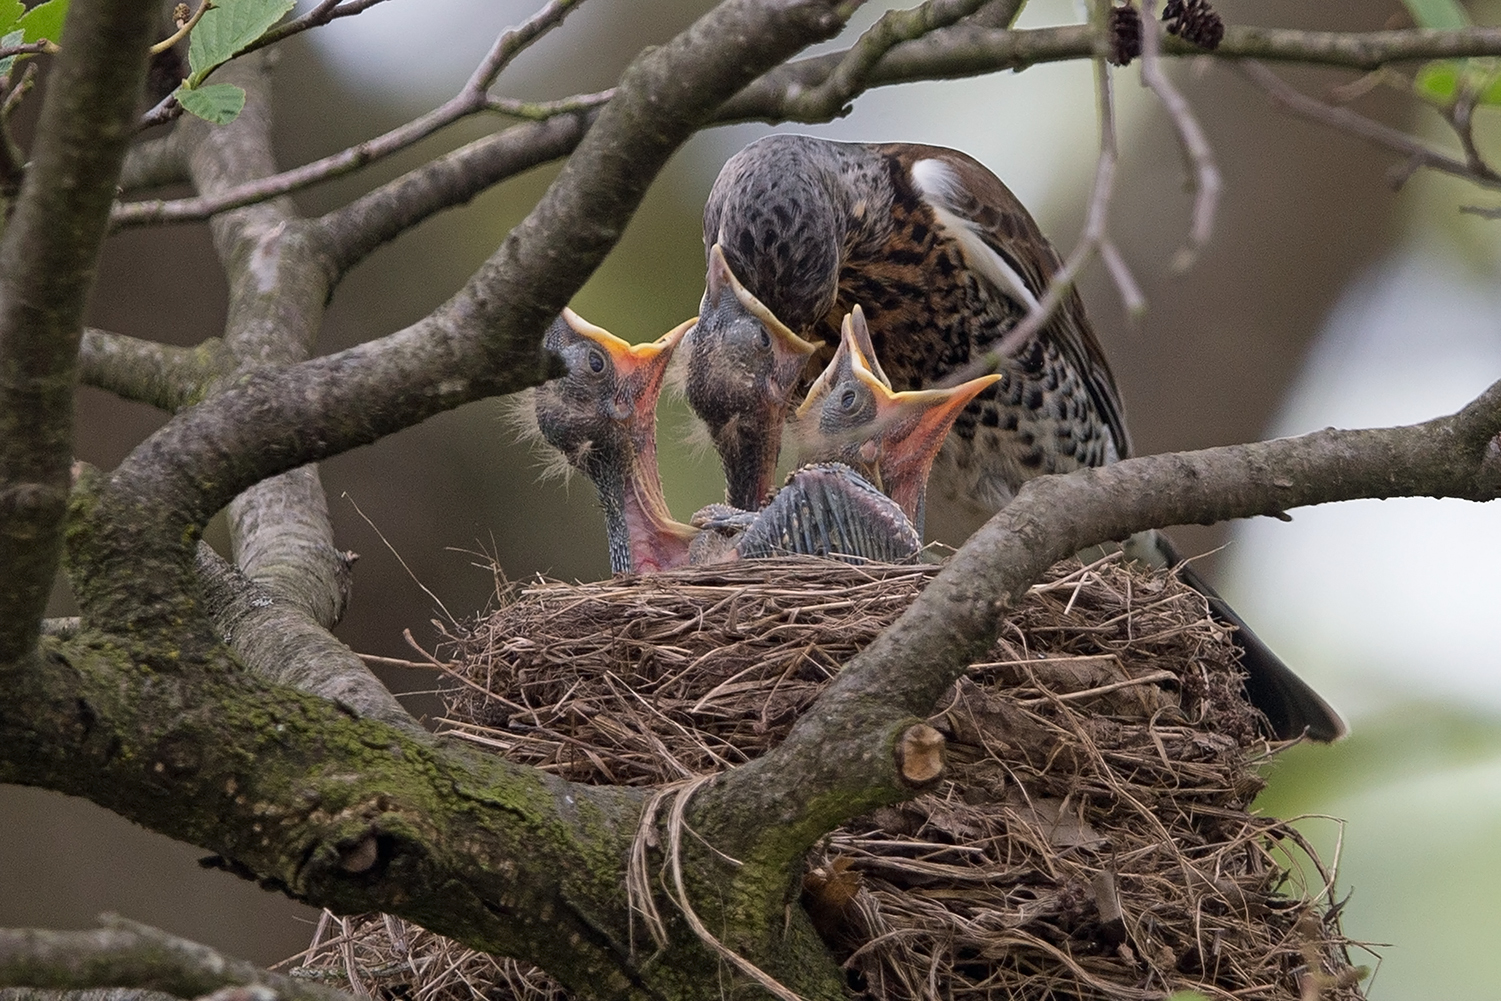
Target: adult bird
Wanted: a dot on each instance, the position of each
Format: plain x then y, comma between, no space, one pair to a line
852,415
945,261
601,416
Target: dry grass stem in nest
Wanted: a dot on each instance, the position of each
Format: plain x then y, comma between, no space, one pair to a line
1092,838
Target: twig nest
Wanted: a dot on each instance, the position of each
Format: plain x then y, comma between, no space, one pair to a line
1087,831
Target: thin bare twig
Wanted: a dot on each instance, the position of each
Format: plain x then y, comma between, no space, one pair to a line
1461,118
1094,238
182,29
513,41
1131,294
1205,173
324,12
1418,154
12,158
830,99
164,111
1091,240
538,111
39,47
470,99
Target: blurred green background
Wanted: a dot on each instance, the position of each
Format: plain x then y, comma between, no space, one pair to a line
1326,298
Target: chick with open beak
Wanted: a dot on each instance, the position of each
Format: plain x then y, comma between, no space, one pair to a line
602,416
852,415
744,367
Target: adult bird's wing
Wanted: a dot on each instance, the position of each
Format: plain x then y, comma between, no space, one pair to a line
1002,242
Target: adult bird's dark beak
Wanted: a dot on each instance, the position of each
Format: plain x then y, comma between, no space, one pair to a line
744,365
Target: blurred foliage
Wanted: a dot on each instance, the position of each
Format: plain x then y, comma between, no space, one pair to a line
1407,813
1445,81
1400,744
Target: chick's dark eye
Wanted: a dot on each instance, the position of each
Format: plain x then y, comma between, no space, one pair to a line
596,362
847,400
765,338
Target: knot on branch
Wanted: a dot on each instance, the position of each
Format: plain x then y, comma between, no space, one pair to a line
919,755
360,856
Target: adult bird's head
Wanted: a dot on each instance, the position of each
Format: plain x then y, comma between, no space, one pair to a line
602,416
744,365
851,415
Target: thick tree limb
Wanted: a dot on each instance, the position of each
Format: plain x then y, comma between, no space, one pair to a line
130,955
354,815
48,256
92,994
291,583
351,814
155,163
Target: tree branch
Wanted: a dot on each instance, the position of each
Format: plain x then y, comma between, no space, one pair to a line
278,640
830,99
353,232
322,13
154,163
161,375
48,255
1418,153
131,955
809,90
1204,174
353,815
292,582
470,100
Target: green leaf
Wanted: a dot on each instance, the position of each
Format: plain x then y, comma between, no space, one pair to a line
227,29
1440,82
219,103
6,41
1444,14
11,11
45,20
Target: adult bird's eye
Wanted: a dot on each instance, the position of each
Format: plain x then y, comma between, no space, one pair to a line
596,362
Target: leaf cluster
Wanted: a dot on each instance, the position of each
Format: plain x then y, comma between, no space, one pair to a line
224,30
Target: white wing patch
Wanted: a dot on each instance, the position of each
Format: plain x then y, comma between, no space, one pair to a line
936,180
